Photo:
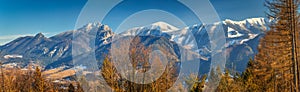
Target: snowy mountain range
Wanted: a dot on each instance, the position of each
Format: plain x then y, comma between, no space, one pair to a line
242,39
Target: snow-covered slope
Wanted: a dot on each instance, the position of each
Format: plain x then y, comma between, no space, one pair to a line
163,26
155,29
237,32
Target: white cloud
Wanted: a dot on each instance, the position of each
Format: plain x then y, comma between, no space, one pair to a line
7,38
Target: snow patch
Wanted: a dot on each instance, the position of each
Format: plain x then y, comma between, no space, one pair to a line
12,56
10,65
233,34
164,26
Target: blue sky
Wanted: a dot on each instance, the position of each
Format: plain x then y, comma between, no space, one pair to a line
28,17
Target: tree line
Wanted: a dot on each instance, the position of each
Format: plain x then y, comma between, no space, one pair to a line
32,80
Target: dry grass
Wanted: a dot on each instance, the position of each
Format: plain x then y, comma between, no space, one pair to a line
62,74
52,71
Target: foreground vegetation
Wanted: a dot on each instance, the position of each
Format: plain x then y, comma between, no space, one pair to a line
32,80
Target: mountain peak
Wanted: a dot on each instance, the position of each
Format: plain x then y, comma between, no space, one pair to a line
93,24
90,26
164,26
39,35
259,20
160,23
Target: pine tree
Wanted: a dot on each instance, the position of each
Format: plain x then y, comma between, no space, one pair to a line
109,73
2,78
71,88
247,78
225,83
79,88
275,66
230,83
273,62
190,80
199,85
214,78
39,83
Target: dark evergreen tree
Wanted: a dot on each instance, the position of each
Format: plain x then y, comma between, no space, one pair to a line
39,82
71,88
199,85
276,66
247,78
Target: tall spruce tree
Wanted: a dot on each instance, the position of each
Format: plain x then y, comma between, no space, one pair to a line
71,88
39,82
276,65
247,78
195,84
213,79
